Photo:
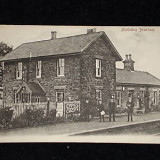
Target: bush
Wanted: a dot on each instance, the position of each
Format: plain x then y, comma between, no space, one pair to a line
154,108
20,122
5,117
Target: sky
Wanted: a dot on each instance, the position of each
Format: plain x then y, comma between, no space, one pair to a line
143,43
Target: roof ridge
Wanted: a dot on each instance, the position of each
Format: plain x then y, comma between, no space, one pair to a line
132,71
153,76
62,37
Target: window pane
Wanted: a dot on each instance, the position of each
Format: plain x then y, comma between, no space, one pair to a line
98,67
62,62
19,70
62,71
97,63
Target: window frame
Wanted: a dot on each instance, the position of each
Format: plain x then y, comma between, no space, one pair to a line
98,67
155,97
38,69
19,70
37,99
59,67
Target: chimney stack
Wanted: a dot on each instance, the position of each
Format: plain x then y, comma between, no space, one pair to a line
93,30
126,56
130,56
53,34
129,63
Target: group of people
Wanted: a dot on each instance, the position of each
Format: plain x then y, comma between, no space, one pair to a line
111,110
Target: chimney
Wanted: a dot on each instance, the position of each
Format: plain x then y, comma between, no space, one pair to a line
93,30
53,34
129,63
126,56
130,56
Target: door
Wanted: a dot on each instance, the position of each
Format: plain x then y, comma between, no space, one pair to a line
60,103
119,98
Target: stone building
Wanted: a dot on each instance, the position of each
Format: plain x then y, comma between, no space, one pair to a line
61,69
138,84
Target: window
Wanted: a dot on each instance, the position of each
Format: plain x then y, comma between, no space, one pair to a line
38,69
98,68
19,70
155,97
60,67
142,94
37,99
22,98
131,93
98,94
119,98
60,96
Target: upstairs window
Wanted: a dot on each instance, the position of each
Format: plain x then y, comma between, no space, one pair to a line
60,67
38,69
98,68
19,70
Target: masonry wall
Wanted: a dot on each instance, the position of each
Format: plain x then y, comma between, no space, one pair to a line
80,79
70,83
106,83
137,92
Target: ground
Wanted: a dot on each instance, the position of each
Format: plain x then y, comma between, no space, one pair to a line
76,127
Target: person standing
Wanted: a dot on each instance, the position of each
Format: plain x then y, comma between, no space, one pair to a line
112,107
130,106
87,109
101,110
140,102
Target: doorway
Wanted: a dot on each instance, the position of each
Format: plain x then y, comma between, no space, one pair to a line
60,103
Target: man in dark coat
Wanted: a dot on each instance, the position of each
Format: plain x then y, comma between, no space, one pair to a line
101,111
112,108
140,102
86,107
130,106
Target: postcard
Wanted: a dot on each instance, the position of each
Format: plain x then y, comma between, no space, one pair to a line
79,84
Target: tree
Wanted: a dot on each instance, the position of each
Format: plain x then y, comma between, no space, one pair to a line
4,49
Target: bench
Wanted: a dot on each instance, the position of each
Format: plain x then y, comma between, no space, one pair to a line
139,111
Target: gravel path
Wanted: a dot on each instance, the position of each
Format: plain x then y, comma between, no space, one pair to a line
75,127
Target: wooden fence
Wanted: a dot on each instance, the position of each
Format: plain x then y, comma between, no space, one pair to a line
20,108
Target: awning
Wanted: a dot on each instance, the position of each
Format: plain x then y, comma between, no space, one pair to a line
31,88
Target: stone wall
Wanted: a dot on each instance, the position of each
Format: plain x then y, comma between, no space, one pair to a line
48,80
99,49
80,74
137,92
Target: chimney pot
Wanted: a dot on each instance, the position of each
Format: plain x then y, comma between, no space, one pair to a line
126,56
53,34
130,56
93,30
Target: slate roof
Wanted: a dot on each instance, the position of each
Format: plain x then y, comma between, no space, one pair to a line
135,77
57,46
35,88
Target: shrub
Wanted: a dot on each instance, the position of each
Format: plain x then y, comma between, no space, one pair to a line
154,108
5,117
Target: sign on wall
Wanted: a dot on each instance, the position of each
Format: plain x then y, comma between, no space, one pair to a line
72,107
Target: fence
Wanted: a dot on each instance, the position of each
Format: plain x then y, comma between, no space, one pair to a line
20,108
70,108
